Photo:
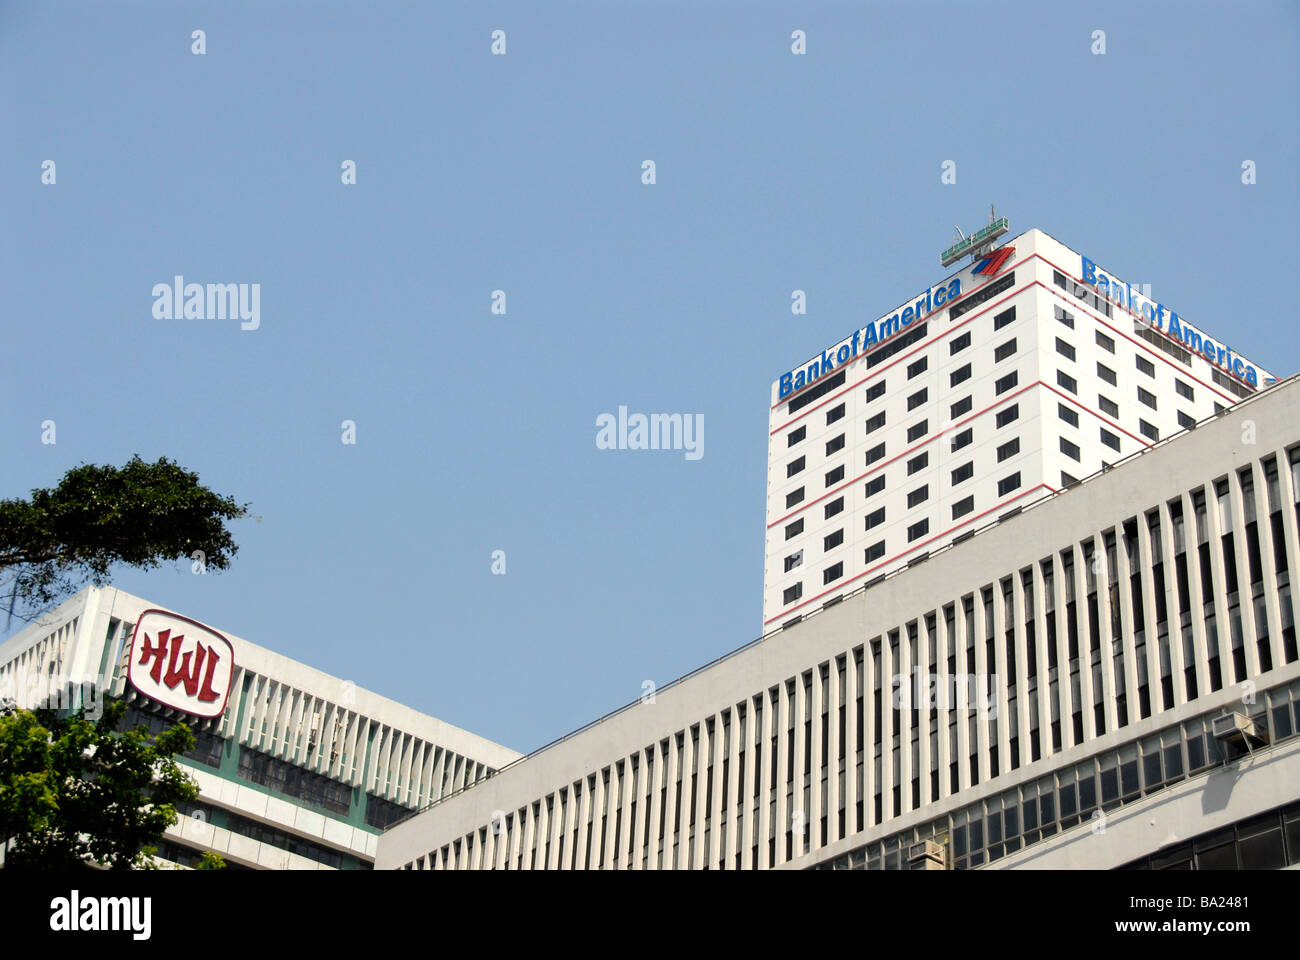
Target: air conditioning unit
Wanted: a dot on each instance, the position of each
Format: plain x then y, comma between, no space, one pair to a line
927,855
1237,728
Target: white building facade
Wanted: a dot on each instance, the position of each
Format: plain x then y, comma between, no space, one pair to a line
1005,382
301,770
1107,678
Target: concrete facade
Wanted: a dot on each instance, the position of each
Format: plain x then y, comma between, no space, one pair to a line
1114,621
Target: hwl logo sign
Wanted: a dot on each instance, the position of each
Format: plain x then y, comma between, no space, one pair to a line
181,664
174,676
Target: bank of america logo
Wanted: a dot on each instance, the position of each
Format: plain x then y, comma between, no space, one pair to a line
991,264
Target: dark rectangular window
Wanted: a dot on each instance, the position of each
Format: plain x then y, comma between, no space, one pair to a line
833,415
1003,384
1067,382
875,453
1007,484
875,486
983,295
1108,406
1184,389
964,472
1105,342
918,398
919,495
917,430
1069,416
1081,293
208,748
1004,350
794,529
1002,319
834,507
962,439
1008,415
1148,431
792,593
959,375
1066,479
1008,449
875,518
835,476
796,435
876,422
1147,397
961,406
918,463
793,467
833,540
1071,450
918,530
1163,343
793,497
1064,349
875,551
817,392
834,446
833,572
1146,366
1058,278
963,506
1109,439
288,779
1060,312
957,344
1185,421
875,391
916,368
896,345
794,560
1107,374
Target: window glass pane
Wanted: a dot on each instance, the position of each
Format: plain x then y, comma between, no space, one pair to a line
1177,858
1264,850
1282,721
1173,762
1222,857
995,826
1151,770
1087,792
1109,785
1292,829
1128,775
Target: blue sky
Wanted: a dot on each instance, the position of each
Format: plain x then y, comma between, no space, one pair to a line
476,432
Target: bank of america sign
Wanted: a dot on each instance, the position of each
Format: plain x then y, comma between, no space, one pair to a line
181,664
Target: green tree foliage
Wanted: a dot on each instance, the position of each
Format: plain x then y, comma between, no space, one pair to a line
211,860
75,792
142,515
